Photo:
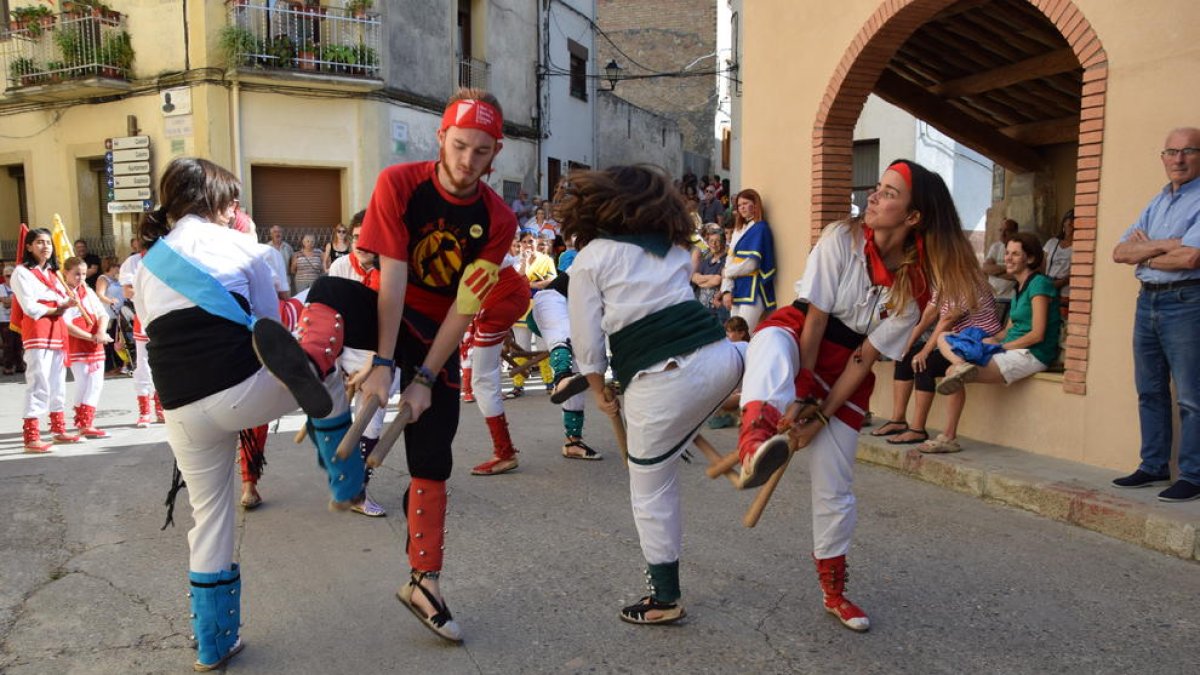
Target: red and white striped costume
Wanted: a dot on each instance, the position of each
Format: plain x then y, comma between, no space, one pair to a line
85,357
39,292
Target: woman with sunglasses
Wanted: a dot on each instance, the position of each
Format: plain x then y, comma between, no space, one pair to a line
338,246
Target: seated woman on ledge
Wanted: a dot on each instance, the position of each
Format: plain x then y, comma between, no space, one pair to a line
1031,343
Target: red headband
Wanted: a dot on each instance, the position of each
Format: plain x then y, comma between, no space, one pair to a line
474,114
905,172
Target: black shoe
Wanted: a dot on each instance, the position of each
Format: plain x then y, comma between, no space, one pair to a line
283,357
1181,491
649,611
566,385
1139,479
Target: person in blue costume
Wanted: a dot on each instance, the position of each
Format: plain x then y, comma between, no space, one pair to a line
750,270
201,290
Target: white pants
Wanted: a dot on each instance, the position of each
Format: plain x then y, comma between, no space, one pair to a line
751,313
89,381
663,409
485,379
553,320
771,366
143,383
45,381
203,436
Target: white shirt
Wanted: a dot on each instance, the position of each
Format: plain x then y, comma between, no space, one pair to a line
278,269
5,312
1001,287
92,303
28,290
836,281
614,284
129,269
342,269
1058,263
237,262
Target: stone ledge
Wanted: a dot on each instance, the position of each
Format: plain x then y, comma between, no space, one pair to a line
1066,491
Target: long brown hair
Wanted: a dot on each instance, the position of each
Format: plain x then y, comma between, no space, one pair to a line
753,196
620,200
949,262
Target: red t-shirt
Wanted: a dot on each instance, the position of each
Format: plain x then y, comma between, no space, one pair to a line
412,219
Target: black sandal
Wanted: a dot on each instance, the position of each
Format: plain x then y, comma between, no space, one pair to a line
670,612
924,436
441,622
588,452
566,385
880,434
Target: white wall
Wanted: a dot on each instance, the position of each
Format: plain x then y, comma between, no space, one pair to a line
567,122
967,173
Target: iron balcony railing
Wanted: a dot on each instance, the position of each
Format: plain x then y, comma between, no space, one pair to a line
473,73
67,47
292,36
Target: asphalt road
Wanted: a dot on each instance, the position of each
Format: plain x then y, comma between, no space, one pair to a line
540,560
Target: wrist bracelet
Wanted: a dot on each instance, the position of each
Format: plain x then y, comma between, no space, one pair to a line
821,416
378,360
423,376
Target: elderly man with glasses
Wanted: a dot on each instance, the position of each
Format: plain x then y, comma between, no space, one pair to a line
1164,247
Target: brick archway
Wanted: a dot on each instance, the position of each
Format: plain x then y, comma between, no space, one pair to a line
866,57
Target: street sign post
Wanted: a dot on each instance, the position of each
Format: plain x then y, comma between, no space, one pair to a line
130,186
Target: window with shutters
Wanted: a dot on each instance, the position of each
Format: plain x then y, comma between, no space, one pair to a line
579,59
300,200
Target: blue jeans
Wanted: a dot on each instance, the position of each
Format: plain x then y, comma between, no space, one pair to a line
1166,347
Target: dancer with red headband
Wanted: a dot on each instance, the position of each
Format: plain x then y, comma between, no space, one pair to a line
441,235
864,287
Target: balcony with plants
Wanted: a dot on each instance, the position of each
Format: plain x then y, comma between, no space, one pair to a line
302,39
83,51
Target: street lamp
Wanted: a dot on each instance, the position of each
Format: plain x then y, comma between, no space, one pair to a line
612,73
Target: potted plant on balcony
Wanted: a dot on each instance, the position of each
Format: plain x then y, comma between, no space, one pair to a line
281,52
366,58
33,18
359,8
96,8
69,39
308,56
235,43
116,55
21,72
342,58
55,71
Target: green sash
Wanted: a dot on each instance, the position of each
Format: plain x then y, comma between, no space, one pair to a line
676,330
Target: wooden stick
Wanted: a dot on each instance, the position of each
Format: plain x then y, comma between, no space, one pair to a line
349,442
723,465
764,495
618,426
301,434
714,457
390,435
530,364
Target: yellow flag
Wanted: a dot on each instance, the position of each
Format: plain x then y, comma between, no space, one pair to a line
63,248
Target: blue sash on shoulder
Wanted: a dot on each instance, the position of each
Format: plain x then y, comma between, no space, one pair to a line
187,279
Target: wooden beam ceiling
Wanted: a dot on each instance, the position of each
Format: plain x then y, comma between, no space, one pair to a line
1046,132
925,106
1044,65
